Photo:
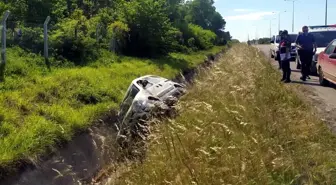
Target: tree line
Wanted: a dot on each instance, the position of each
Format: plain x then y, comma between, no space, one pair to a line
144,28
264,40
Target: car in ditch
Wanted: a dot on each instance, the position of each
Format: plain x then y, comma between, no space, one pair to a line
148,96
323,36
326,64
275,41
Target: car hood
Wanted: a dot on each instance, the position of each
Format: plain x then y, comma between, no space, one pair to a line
319,50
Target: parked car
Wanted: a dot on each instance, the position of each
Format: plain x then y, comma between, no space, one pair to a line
275,41
145,96
323,36
326,64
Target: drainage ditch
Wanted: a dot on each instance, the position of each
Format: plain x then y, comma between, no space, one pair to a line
82,159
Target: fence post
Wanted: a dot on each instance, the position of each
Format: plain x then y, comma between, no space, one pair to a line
46,48
98,32
3,46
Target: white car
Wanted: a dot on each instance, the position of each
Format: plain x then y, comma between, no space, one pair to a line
275,46
323,36
146,96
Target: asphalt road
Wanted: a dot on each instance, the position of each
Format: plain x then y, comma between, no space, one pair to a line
322,98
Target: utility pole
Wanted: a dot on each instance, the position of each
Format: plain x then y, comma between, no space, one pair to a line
293,16
279,21
293,13
270,28
326,13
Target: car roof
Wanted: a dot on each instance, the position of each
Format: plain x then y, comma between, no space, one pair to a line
322,28
288,34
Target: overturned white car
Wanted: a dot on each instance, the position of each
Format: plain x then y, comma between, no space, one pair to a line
147,96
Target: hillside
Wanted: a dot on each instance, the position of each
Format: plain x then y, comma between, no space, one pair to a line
95,49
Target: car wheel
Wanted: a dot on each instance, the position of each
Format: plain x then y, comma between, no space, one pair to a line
271,53
313,70
322,80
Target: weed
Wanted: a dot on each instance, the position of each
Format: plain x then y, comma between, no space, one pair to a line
239,125
41,109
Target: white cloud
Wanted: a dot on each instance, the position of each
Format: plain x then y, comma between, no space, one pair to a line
249,16
242,10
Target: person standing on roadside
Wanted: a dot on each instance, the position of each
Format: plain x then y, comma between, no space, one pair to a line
285,56
306,46
278,54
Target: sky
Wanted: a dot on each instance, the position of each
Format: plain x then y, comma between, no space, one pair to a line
256,17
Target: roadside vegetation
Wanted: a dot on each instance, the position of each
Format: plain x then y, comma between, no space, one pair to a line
238,125
96,49
43,109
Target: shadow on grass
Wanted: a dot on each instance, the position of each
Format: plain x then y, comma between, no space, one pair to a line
175,63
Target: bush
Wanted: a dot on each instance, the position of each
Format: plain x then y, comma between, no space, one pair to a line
151,33
73,38
118,33
203,39
32,39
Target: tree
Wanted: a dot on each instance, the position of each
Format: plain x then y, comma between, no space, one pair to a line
151,32
141,27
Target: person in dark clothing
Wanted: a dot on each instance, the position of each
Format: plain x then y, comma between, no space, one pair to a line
278,54
306,49
284,50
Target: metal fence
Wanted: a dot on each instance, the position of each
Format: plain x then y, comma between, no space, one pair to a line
4,32
11,34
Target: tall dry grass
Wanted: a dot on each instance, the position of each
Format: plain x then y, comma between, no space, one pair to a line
239,125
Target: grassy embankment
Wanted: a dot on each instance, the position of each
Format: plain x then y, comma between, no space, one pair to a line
40,109
239,125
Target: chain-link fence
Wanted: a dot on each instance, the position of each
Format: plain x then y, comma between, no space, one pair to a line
33,35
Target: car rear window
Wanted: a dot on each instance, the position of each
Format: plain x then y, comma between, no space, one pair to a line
292,38
323,38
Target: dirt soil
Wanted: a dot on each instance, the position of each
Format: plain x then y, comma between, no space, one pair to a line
322,98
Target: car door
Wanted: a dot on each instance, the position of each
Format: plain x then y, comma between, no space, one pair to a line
332,65
325,60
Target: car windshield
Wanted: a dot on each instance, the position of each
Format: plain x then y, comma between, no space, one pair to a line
322,39
132,92
292,38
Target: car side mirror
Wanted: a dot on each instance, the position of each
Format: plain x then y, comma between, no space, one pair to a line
333,56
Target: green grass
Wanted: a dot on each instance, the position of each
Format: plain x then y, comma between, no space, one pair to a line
239,125
39,109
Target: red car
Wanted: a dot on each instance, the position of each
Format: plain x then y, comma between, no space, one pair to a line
326,64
